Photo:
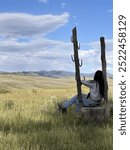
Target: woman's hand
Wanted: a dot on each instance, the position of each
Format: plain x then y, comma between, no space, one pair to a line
80,83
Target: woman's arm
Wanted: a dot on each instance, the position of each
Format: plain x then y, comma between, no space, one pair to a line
88,83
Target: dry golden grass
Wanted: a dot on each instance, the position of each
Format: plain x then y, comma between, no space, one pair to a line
29,120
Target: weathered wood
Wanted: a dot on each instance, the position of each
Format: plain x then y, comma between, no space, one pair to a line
103,59
104,64
77,65
93,114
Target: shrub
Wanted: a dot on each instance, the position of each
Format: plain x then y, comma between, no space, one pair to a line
8,104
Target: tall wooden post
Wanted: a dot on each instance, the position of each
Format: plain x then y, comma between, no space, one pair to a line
77,64
103,59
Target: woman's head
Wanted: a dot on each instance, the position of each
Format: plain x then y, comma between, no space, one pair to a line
98,77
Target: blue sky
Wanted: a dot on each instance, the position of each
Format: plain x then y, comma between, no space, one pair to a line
35,34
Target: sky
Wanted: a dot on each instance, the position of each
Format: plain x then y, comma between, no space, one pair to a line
36,34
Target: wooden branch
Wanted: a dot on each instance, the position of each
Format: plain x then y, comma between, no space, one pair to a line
80,64
72,58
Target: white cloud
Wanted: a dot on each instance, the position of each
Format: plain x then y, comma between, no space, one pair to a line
48,54
23,46
110,11
36,52
75,17
63,5
43,1
35,55
96,45
21,24
92,57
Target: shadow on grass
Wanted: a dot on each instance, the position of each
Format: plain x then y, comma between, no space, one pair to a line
55,120
24,126
58,132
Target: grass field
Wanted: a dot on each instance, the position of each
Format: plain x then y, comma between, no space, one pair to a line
29,120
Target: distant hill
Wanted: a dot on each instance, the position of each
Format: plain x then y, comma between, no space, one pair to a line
52,73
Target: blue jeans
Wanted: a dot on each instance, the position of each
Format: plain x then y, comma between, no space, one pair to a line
87,102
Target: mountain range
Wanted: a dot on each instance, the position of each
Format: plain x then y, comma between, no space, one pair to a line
52,73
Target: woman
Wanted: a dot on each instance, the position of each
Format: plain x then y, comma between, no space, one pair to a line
92,99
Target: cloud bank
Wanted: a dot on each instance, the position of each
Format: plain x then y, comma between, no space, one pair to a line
27,25
24,45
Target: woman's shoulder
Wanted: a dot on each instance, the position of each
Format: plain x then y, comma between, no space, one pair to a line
91,82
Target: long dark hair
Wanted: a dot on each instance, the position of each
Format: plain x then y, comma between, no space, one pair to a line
98,77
